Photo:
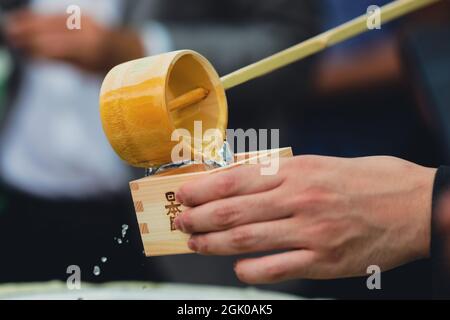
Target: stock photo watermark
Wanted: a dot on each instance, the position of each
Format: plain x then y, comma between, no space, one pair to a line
74,280
374,17
73,21
373,282
206,145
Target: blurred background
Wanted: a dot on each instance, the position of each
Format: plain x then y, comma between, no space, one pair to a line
64,197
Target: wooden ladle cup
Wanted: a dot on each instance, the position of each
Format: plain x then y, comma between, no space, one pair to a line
143,101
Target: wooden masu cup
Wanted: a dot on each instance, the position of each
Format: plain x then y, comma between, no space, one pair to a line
156,206
134,101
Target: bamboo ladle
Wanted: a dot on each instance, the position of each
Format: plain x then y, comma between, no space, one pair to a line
144,100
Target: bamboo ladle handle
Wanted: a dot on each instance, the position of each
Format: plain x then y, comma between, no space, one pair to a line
188,99
389,12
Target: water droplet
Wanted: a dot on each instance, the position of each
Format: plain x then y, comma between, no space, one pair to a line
96,270
104,259
119,241
124,230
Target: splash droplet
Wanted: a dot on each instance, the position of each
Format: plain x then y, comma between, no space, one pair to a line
119,241
96,270
124,230
104,259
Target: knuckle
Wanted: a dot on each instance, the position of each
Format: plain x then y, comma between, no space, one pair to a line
315,197
336,255
298,201
321,228
333,255
225,216
331,243
241,238
325,235
226,183
203,245
276,272
337,230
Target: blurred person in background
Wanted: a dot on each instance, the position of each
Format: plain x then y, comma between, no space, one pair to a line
367,61
66,191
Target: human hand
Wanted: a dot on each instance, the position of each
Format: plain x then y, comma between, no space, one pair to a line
333,217
93,47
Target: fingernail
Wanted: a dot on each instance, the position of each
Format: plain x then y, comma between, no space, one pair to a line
192,245
179,197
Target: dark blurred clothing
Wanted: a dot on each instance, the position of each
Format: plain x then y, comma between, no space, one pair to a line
440,236
46,232
41,238
366,61
426,51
